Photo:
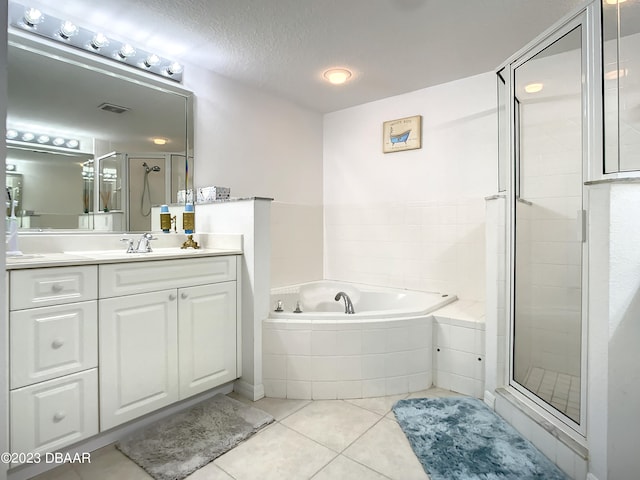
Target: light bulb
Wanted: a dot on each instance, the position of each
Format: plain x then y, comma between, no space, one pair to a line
160,141
68,29
33,16
11,134
73,143
152,60
58,141
126,51
174,68
43,138
28,136
533,87
99,40
337,75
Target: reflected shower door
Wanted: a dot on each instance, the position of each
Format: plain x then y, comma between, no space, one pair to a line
547,315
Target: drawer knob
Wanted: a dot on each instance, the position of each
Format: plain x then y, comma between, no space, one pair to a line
57,343
184,295
172,296
59,416
56,288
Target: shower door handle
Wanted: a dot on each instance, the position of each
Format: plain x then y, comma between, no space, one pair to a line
581,223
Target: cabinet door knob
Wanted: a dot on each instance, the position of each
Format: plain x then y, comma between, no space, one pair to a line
59,416
57,343
56,288
172,296
184,295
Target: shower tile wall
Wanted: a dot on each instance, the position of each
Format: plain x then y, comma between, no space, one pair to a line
412,219
550,284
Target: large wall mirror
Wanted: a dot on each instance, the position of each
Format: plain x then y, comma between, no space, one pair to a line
135,137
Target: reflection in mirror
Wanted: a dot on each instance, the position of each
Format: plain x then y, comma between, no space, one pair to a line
621,31
52,191
547,312
115,114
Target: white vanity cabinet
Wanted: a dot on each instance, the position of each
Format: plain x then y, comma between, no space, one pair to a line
53,351
167,331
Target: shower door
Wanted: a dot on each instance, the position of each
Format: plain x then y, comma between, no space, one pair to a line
548,228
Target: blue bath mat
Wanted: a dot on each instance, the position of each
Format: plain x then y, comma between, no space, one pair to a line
460,438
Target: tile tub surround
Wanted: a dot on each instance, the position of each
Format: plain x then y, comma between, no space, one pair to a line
337,360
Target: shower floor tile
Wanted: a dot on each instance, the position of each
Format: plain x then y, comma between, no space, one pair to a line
558,389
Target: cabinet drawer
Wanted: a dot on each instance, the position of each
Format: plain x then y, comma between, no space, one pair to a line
49,342
52,286
140,277
49,415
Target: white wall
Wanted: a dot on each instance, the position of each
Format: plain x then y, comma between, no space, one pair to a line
614,331
261,145
412,219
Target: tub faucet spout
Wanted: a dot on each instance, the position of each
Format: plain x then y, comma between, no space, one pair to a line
348,305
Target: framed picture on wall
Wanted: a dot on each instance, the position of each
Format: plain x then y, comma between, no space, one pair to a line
402,134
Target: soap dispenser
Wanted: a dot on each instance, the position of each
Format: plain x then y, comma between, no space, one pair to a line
188,218
165,219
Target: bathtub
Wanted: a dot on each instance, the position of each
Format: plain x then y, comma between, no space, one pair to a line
385,348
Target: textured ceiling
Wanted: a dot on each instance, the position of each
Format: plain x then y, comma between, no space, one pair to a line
283,46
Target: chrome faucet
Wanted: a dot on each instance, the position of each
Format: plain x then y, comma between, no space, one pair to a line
144,243
348,305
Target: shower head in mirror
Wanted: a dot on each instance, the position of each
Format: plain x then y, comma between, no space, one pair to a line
148,169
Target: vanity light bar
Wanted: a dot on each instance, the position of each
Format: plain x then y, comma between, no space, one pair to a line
24,136
33,20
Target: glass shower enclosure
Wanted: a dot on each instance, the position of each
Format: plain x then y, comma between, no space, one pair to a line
547,222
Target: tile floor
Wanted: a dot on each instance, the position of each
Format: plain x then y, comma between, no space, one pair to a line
320,440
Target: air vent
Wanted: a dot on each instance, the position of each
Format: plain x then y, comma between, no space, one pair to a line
110,107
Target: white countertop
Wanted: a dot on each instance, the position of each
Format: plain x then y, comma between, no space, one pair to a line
66,250
40,260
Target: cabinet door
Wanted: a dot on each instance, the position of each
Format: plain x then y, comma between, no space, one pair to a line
138,355
52,414
207,336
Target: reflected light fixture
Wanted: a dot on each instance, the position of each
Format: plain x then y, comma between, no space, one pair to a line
533,87
160,141
614,2
21,137
32,20
615,74
337,76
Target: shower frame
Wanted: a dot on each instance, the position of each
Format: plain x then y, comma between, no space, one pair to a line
588,17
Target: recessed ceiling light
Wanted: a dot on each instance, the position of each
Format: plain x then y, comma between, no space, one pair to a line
533,87
337,76
615,74
160,141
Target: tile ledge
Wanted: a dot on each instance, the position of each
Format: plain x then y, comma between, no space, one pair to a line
553,430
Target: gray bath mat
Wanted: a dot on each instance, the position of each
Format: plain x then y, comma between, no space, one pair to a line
175,447
460,438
